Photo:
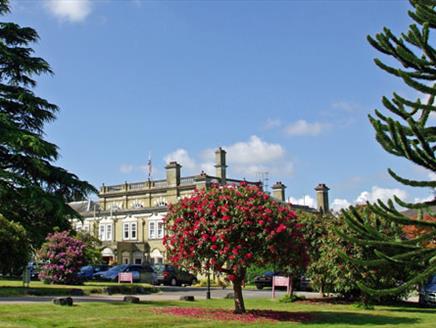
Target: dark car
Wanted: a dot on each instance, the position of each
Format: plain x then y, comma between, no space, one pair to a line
265,280
88,272
168,274
427,293
140,273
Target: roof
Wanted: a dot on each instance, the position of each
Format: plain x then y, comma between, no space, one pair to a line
84,206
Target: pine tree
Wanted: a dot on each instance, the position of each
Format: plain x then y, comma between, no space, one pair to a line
411,136
33,191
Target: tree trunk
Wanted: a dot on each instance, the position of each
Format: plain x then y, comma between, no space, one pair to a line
291,287
321,289
239,301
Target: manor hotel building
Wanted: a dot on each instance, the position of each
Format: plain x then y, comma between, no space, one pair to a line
128,218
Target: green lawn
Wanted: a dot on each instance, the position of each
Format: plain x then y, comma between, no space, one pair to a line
152,314
15,288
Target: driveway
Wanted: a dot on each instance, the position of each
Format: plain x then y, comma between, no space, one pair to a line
166,294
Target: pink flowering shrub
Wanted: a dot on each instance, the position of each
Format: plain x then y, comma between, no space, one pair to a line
229,228
62,256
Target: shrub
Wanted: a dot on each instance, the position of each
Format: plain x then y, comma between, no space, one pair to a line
14,247
62,256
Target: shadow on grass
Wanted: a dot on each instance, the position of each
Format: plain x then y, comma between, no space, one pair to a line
352,318
39,291
153,303
410,307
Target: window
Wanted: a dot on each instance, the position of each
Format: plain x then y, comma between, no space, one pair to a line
160,229
133,230
126,230
151,232
129,230
105,231
108,231
155,229
102,230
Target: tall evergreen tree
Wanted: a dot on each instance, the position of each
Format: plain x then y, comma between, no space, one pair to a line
411,136
33,191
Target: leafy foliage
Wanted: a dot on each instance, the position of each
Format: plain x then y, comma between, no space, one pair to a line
62,256
410,136
93,247
327,248
33,191
14,247
227,229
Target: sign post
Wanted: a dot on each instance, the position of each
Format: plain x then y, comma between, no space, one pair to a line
26,276
279,281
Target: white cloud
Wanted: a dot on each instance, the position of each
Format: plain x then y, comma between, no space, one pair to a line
255,150
346,106
432,176
182,157
305,200
304,128
245,159
272,123
424,199
70,10
380,193
339,204
372,196
126,168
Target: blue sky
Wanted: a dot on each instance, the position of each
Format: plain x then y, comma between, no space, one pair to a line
284,86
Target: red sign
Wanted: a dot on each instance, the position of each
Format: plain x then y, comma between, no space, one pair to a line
125,277
279,281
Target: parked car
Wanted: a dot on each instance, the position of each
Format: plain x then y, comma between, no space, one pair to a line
427,293
34,270
87,272
168,274
140,273
265,280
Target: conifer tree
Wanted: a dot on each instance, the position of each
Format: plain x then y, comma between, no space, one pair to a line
404,130
33,191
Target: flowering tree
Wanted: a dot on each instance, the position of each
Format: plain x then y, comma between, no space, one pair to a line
62,256
229,228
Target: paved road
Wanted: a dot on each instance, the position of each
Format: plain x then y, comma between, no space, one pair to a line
167,294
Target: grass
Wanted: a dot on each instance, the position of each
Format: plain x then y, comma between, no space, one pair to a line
11,288
155,314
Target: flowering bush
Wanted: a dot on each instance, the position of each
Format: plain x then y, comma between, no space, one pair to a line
62,256
229,228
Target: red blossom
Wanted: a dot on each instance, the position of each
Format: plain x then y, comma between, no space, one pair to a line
231,277
281,228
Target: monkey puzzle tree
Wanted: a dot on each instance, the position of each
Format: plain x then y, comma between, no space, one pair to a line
409,135
226,229
33,191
